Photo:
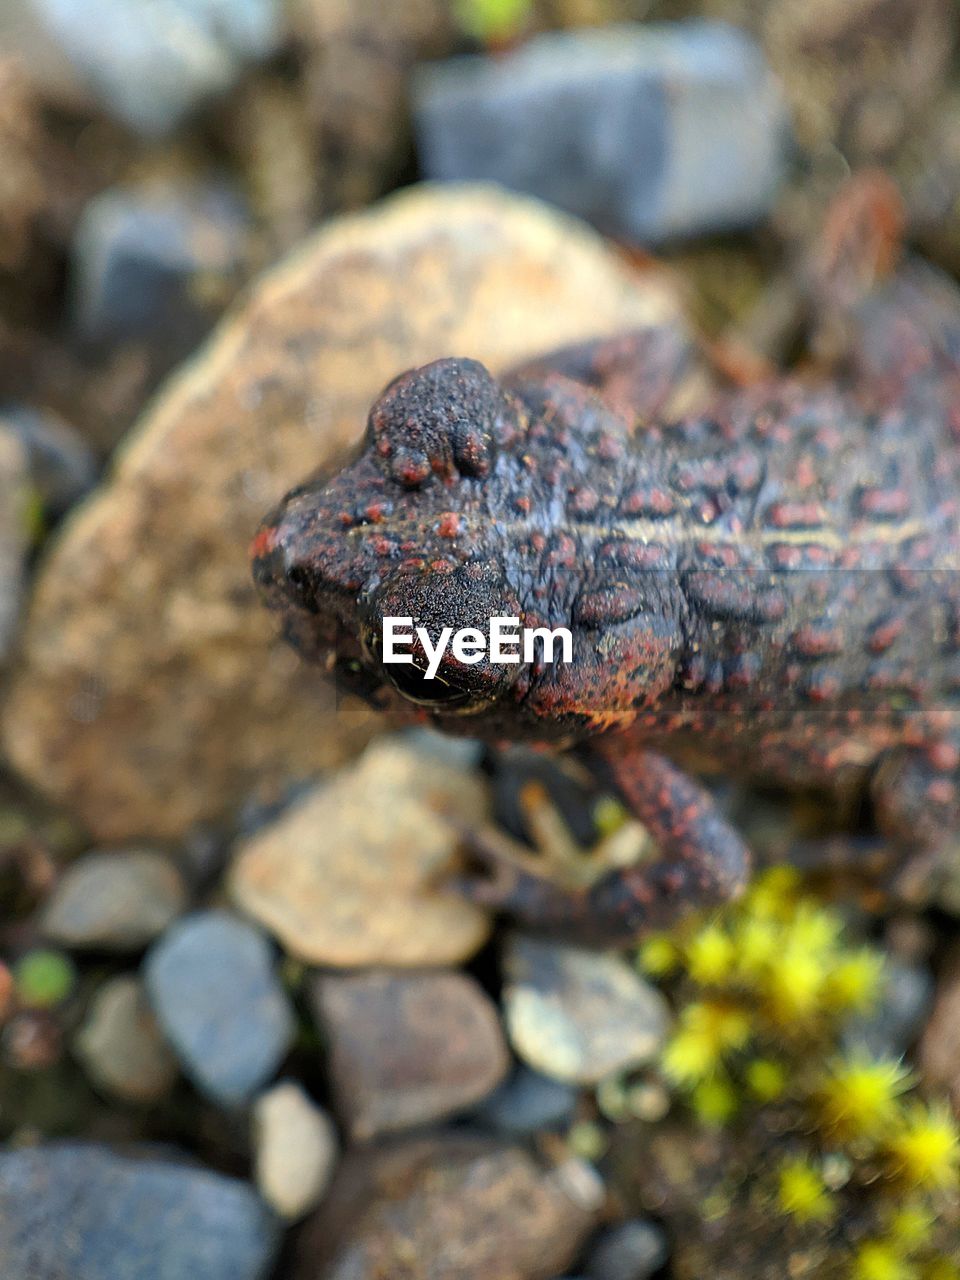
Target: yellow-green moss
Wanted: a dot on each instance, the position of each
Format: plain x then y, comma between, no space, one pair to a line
802,1192
763,993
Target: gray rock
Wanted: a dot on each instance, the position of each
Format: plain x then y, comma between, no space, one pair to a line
577,1015
649,131
900,1014
151,64
295,1150
121,1047
528,1102
80,1212
14,508
62,465
114,901
138,254
630,1251
405,1049
212,984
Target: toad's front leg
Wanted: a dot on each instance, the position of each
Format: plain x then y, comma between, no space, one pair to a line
702,862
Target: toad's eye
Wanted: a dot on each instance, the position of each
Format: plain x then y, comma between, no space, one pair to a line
412,683
438,606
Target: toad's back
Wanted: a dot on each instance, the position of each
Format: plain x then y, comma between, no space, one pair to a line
811,548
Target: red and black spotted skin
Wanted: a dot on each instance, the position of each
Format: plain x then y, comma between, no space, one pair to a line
772,585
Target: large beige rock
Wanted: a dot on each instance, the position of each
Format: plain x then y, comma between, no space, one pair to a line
152,693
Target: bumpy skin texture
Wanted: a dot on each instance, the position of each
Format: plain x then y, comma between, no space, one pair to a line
771,587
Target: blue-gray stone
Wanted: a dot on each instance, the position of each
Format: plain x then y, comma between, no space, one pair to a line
138,252
62,465
900,1014
151,64
213,987
528,1102
631,1250
82,1212
649,131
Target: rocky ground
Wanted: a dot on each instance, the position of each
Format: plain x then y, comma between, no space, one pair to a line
246,1029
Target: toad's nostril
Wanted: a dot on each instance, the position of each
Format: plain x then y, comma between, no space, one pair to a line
302,587
277,574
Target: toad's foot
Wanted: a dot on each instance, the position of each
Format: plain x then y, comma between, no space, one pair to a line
702,861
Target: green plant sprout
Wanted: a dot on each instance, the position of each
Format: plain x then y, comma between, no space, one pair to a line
43,979
492,22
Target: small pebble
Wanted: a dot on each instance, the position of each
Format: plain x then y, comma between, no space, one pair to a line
213,986
121,1047
114,901
404,1049
528,1103
32,1041
295,1145
62,465
630,1251
579,1015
